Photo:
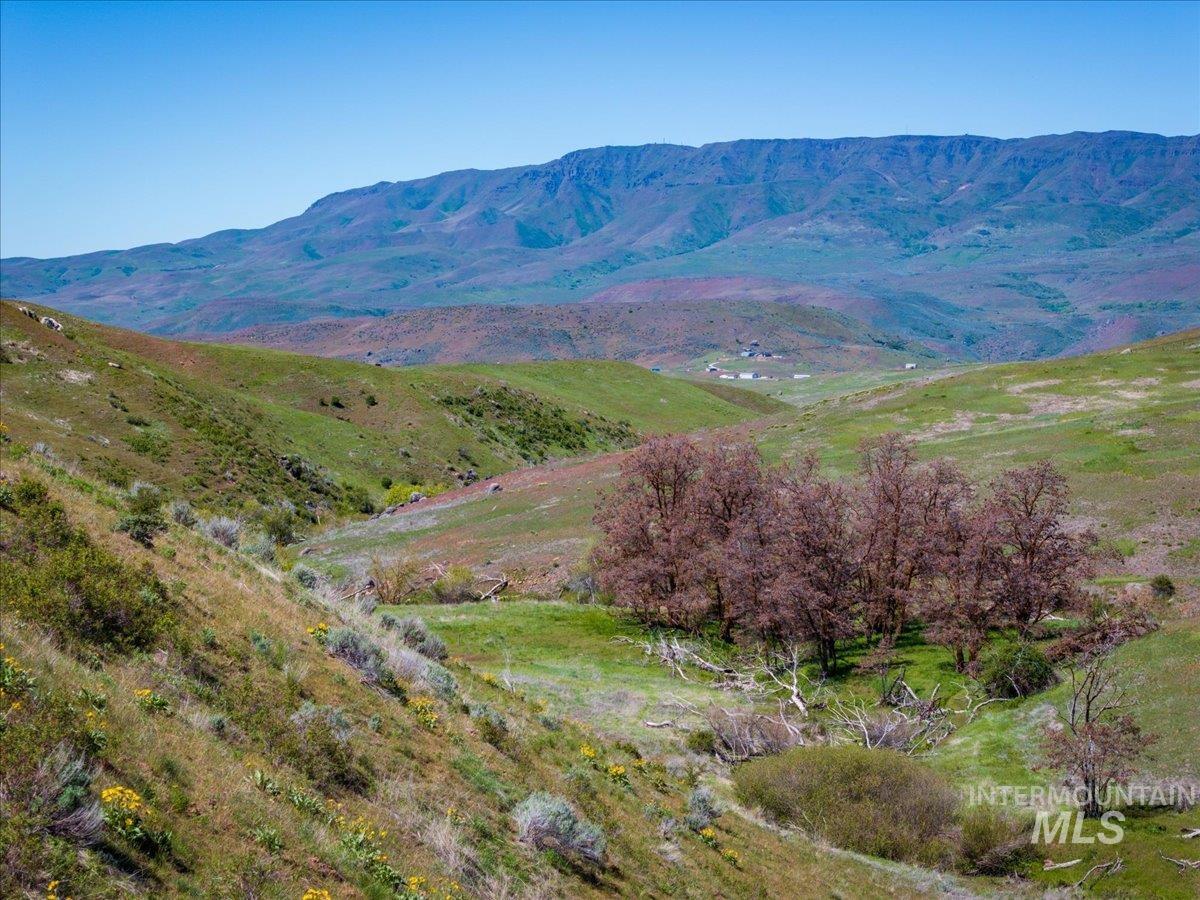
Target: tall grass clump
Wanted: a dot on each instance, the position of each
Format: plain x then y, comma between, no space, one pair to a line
416,634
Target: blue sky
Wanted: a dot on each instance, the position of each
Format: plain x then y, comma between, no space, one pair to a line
131,123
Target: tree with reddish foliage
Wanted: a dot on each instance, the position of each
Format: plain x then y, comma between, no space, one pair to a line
811,597
1043,561
731,502
899,507
963,602
1096,743
653,537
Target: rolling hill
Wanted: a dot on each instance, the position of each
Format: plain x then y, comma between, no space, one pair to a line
231,424
1121,425
976,247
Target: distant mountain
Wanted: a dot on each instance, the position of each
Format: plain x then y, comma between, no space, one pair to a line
976,247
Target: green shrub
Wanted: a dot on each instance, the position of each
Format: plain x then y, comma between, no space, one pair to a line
305,576
548,822
142,528
873,801
281,522
320,747
402,492
144,498
1163,587
456,586
144,521
490,724
52,574
702,740
261,547
355,499
1012,669
993,843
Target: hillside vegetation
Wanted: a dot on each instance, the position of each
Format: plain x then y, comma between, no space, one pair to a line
1121,426
263,739
228,425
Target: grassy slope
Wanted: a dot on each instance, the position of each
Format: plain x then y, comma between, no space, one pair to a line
268,403
195,781
1121,426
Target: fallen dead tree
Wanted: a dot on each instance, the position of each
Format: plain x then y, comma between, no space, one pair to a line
899,720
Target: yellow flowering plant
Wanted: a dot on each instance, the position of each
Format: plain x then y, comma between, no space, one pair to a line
152,702
587,751
124,812
617,773
424,708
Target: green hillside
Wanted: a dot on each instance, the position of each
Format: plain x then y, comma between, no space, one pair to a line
263,763
1122,426
218,421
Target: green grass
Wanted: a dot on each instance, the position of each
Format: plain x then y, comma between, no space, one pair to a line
571,655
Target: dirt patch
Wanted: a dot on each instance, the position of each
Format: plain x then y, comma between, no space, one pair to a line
1033,385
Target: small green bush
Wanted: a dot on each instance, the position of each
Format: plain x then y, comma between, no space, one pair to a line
402,492
702,740
877,802
1011,669
320,746
261,547
490,724
53,574
281,522
1163,587
456,586
142,528
305,576
993,843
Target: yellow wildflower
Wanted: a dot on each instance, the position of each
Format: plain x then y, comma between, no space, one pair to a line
587,751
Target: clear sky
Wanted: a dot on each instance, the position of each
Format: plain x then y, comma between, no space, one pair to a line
132,123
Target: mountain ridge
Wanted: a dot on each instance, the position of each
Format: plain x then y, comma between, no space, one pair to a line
977,247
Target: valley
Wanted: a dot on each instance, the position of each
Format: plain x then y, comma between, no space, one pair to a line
262,635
